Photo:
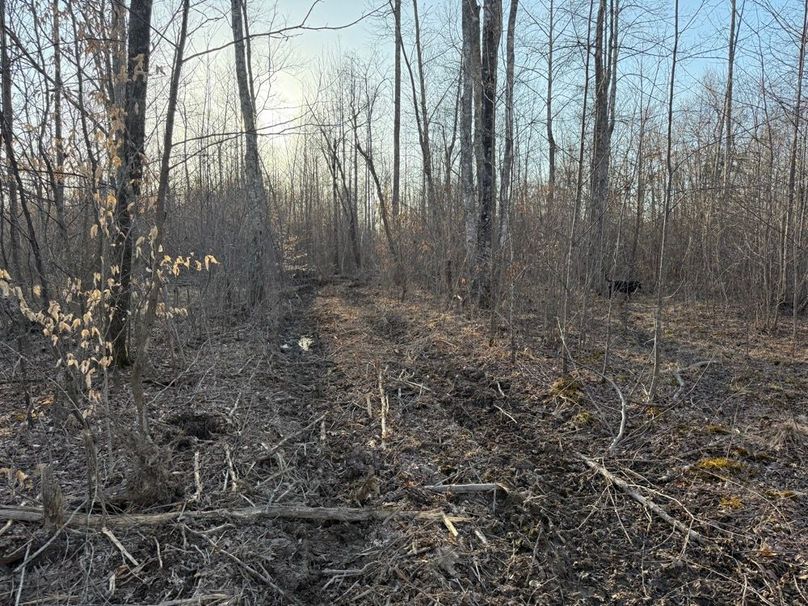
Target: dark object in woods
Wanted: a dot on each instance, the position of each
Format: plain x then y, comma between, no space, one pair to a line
627,287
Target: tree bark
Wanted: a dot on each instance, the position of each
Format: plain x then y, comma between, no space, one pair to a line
470,79
792,181
131,152
265,264
395,202
8,126
59,190
162,192
604,59
492,30
578,193
551,143
666,208
426,148
507,154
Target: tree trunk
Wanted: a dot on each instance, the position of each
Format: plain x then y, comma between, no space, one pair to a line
666,208
156,245
426,149
792,180
400,276
59,190
262,268
492,30
728,100
131,151
507,155
578,194
605,59
8,127
470,78
395,203
551,176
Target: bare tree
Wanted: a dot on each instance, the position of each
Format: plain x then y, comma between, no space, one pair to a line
551,143
568,262
666,207
492,31
733,40
470,78
605,60
156,283
59,186
791,215
263,239
507,154
395,203
130,174
8,129
423,121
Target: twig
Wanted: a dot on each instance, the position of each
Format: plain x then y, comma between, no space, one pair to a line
197,478
507,414
348,572
681,381
197,600
623,414
274,449
623,405
231,469
385,406
49,541
261,576
22,576
108,533
449,526
644,501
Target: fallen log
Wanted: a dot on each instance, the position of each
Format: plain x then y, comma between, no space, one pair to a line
468,488
289,512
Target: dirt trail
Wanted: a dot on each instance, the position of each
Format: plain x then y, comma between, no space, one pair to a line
296,418
460,412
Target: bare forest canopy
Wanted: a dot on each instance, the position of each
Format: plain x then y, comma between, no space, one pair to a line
554,172
548,161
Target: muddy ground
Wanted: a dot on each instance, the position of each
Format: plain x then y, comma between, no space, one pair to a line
365,403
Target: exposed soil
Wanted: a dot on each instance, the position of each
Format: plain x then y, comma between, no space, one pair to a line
296,418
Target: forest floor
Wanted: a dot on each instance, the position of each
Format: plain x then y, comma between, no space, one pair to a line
364,409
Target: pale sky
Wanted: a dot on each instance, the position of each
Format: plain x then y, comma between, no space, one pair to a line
308,49
296,62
